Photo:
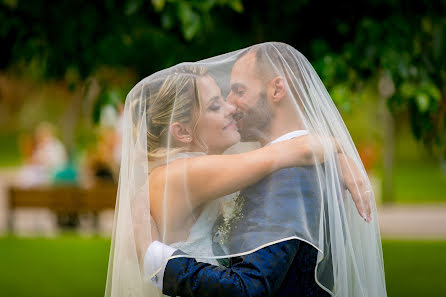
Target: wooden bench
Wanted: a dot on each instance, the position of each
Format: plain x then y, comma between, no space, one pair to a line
61,199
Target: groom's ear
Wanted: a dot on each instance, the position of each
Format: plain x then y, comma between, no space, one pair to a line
181,133
277,89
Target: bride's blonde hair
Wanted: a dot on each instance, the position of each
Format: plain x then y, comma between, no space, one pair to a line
170,99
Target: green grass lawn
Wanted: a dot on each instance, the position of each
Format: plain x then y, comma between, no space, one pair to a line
73,266
61,267
415,268
417,182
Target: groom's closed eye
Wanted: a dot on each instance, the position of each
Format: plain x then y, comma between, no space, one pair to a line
237,89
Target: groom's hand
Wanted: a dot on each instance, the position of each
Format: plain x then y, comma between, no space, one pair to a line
357,185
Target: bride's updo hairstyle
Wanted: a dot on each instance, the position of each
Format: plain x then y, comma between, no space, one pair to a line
169,99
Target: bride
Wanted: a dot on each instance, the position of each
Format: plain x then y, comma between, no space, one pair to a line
175,176
205,125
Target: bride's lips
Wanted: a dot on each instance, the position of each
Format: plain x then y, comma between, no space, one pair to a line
230,125
238,116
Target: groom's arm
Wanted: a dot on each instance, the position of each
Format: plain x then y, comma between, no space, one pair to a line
256,274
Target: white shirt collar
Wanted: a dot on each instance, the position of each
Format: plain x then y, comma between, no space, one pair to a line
289,135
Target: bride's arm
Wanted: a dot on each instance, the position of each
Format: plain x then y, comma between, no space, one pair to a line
213,176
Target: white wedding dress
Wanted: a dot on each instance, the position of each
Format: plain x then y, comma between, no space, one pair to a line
199,241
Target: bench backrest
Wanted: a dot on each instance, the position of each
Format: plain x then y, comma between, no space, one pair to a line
64,199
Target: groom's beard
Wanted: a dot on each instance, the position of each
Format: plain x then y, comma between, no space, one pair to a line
257,120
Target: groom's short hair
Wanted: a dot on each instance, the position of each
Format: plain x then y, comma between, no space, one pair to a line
274,59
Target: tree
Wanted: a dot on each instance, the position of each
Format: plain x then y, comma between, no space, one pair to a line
74,40
407,67
396,47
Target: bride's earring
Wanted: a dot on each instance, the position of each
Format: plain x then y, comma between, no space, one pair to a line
189,138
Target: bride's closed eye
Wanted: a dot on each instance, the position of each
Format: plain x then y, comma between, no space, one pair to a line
214,107
215,103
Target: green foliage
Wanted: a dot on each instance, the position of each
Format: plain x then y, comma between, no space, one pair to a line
194,16
75,37
401,53
9,154
405,64
110,96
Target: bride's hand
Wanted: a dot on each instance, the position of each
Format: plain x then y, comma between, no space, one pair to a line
357,185
310,149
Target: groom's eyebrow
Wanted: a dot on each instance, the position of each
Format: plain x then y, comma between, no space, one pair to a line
236,86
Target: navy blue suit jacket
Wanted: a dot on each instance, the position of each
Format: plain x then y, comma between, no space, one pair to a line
282,269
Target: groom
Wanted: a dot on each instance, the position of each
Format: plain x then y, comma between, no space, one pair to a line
285,268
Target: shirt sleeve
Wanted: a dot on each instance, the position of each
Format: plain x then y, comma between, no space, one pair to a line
156,256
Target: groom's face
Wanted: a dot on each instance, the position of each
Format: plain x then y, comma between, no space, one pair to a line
248,94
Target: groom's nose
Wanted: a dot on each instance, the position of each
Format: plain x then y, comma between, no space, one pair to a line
230,108
231,98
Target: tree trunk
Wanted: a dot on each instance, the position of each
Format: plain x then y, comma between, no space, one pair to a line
388,126
386,89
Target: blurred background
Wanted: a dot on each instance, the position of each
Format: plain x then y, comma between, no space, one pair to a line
66,67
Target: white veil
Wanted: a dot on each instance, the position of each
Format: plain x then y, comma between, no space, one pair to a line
350,261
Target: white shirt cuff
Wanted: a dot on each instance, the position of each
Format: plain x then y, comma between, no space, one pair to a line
156,257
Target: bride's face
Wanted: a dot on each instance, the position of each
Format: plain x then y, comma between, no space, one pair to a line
215,130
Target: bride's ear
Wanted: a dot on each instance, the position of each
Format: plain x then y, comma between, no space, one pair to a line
181,133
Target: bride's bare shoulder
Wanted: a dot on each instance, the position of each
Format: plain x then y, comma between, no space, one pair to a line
157,177
174,172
